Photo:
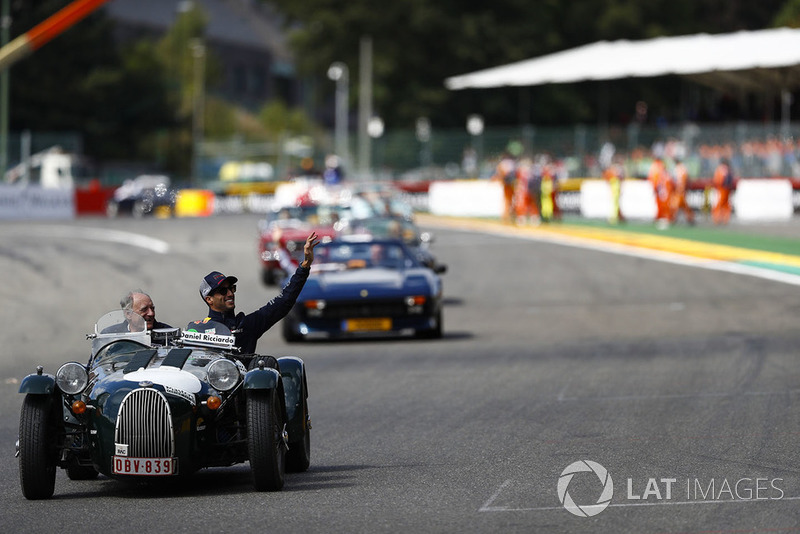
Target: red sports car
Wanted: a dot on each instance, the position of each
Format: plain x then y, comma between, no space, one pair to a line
283,234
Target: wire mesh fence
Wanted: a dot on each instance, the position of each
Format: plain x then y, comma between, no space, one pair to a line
754,149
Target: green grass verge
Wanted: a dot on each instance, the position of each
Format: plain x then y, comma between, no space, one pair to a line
718,235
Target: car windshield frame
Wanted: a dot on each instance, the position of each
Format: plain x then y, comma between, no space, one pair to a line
307,215
386,228
340,255
117,352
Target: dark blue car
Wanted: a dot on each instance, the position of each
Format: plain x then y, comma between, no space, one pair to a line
367,287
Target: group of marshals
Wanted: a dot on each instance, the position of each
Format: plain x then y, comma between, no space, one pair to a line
670,192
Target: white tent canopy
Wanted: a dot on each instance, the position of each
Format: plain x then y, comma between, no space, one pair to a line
762,60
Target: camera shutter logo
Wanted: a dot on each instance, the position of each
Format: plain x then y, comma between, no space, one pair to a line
586,510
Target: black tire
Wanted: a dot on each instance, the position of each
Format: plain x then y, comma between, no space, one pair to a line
265,440
37,449
139,209
298,459
269,361
81,472
289,331
435,332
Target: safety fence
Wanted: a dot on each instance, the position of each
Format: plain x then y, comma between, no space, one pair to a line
772,199
755,150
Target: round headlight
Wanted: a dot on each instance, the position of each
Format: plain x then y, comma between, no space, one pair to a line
223,375
72,378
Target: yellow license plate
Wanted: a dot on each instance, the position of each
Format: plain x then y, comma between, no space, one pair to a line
367,325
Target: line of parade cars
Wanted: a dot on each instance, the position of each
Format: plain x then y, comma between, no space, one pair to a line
160,405
374,272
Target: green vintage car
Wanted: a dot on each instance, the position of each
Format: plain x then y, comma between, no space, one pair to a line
158,405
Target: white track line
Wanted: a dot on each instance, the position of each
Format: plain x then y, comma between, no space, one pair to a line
629,250
487,506
562,398
100,234
666,257
633,505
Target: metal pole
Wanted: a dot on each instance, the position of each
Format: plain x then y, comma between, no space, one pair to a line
199,52
339,73
25,156
342,126
364,105
786,107
5,28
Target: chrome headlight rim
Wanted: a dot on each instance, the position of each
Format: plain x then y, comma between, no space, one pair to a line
223,375
72,378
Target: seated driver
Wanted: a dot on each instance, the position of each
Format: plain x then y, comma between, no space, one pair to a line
377,255
138,306
383,256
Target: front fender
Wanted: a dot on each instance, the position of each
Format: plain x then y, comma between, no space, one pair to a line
267,378
295,392
38,384
292,368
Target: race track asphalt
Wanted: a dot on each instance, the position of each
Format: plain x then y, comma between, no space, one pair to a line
672,372
766,246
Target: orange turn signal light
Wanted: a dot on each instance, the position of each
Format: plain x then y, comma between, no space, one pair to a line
314,304
213,402
78,407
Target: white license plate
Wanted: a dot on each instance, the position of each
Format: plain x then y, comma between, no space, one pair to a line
143,466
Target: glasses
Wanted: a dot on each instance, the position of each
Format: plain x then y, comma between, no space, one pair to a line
223,290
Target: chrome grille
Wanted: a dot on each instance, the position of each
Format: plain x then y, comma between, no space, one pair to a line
144,424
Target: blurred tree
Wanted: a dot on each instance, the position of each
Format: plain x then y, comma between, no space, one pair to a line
138,105
137,101
174,51
131,102
222,120
280,121
418,43
81,82
789,15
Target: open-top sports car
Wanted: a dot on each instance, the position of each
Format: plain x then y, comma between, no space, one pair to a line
161,405
366,288
385,227
283,233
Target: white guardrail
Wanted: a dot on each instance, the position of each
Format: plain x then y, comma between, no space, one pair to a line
755,199
36,203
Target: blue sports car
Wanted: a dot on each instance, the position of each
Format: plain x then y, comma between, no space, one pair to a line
366,288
